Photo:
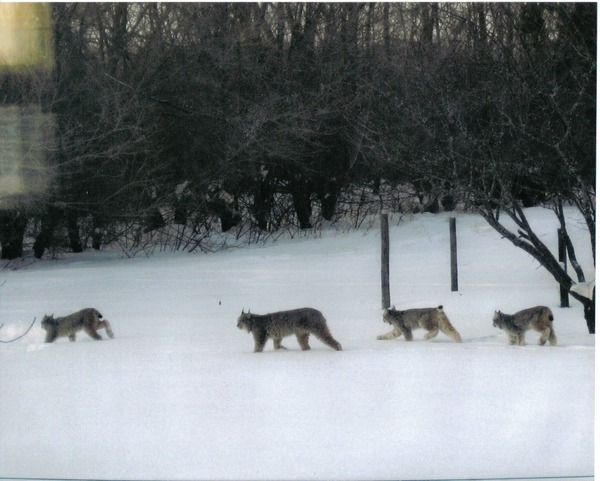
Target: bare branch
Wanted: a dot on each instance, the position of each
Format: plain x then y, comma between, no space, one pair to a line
19,337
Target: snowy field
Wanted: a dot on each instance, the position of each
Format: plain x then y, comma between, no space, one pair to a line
179,394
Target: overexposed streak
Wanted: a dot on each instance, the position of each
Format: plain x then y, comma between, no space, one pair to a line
25,35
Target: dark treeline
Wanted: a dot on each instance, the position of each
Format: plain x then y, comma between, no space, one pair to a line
216,116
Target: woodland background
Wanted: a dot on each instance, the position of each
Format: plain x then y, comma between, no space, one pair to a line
164,123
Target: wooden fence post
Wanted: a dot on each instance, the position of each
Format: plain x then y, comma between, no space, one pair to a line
562,257
453,256
385,261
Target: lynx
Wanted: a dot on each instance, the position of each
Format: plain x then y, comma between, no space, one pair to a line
88,320
277,325
432,319
538,318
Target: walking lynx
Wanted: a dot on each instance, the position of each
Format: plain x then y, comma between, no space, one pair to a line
432,319
87,320
538,318
301,322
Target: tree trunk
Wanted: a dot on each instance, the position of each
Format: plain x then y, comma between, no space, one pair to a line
73,230
12,233
302,203
589,312
97,229
154,220
263,203
328,196
385,261
45,238
328,205
227,215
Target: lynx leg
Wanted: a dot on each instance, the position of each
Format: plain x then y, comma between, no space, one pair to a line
452,334
303,340
407,334
260,339
106,325
51,336
548,335
432,333
72,337
277,343
90,331
396,332
521,338
328,339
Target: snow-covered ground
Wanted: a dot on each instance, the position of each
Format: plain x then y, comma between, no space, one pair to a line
179,394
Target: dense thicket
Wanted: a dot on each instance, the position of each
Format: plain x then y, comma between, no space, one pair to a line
214,116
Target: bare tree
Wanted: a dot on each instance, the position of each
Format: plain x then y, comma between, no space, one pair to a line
506,125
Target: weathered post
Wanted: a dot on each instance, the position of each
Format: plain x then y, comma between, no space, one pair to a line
562,257
385,261
453,256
